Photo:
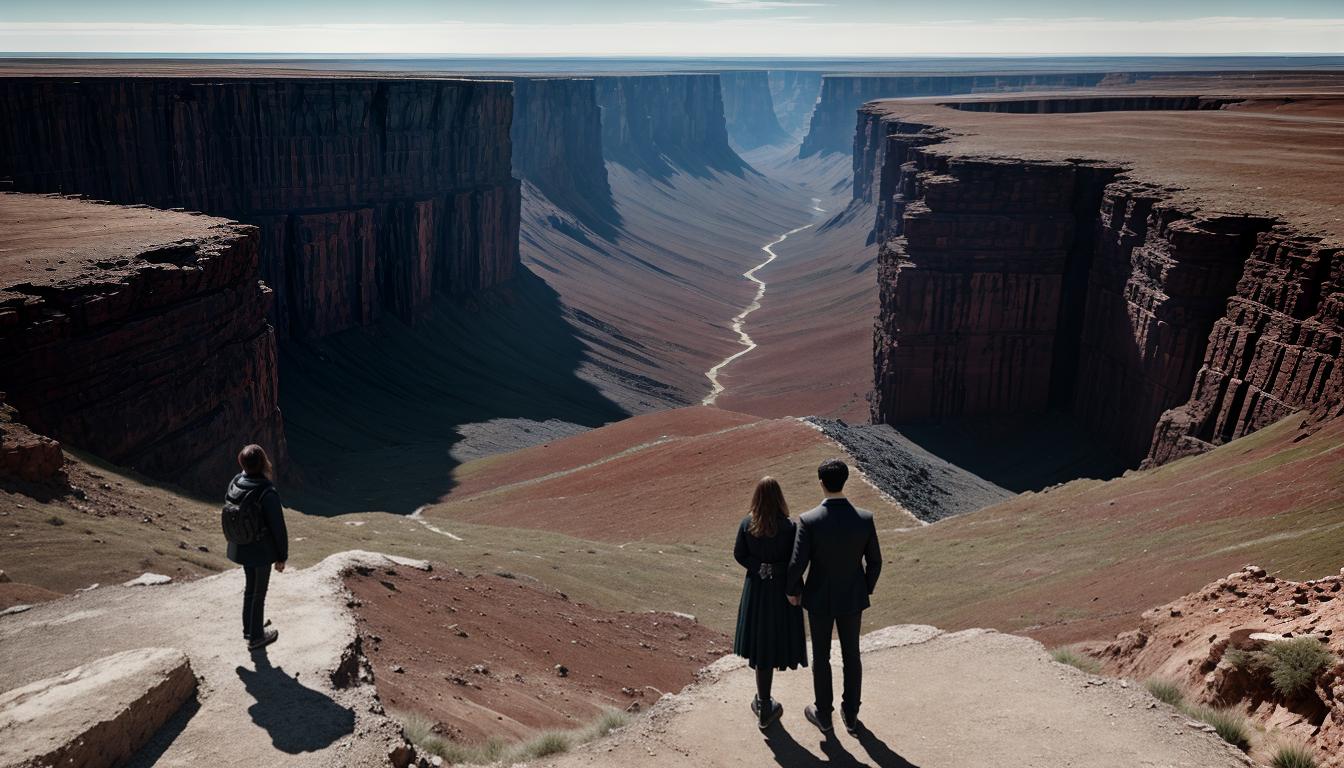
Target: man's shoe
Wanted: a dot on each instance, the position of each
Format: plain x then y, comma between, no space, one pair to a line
823,723
768,715
267,637
852,724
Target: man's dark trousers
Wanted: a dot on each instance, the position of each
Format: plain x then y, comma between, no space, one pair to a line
847,626
257,579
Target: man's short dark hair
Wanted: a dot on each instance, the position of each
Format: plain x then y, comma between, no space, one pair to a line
833,474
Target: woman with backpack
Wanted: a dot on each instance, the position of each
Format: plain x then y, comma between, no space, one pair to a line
254,524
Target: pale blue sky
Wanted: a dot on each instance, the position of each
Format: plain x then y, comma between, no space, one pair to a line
676,27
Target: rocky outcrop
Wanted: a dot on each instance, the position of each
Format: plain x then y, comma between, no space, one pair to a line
371,195
1277,348
96,715
750,110
1099,103
794,94
25,456
138,335
660,124
832,125
557,145
1013,286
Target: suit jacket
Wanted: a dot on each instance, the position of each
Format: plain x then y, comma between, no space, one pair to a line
836,546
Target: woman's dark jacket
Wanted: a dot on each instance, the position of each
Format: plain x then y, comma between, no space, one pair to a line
273,545
769,630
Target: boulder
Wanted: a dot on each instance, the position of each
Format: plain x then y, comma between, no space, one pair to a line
95,715
148,580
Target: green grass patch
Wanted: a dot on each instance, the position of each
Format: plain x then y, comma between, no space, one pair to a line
1165,691
1228,724
1074,658
419,731
1294,756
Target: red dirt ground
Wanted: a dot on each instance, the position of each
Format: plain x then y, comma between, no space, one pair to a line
690,484
499,680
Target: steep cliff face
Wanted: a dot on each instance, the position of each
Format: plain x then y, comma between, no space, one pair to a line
1278,348
831,128
750,110
795,95
661,123
1013,286
371,195
138,335
557,145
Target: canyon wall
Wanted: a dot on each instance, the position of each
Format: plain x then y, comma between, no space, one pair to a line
138,335
832,125
749,109
659,124
371,195
557,145
1013,286
794,94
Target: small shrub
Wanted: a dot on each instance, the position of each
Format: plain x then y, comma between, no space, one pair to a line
1165,691
1072,657
1253,663
547,744
608,722
419,731
56,520
1229,725
1295,664
1293,756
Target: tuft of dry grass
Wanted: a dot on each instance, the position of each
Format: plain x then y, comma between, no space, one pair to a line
1165,691
1074,658
1294,756
419,730
1231,726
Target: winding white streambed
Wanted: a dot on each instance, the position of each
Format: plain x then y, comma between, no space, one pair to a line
740,320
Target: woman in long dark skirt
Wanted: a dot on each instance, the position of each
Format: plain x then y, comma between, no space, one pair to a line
769,630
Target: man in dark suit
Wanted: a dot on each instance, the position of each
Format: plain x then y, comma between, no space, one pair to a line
836,545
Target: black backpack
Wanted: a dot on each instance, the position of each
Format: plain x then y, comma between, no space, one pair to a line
241,517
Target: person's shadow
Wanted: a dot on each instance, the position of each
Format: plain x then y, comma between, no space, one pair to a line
790,754
298,718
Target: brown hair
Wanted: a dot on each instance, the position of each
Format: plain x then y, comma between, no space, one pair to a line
254,461
767,508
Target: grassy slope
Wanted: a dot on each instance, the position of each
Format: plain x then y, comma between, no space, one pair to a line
1080,561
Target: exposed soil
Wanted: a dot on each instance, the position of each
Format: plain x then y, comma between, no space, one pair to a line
478,654
1189,642
931,700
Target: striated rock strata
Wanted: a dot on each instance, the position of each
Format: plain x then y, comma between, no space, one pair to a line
1013,286
138,335
371,195
557,145
750,110
661,123
25,456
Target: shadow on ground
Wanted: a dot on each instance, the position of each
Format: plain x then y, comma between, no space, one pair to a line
790,754
297,718
372,415
1019,453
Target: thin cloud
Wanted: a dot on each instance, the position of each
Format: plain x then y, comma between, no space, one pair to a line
755,5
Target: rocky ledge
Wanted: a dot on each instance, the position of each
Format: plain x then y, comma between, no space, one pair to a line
137,334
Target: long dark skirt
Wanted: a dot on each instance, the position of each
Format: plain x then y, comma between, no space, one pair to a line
769,630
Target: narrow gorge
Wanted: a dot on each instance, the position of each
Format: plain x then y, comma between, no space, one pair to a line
1164,318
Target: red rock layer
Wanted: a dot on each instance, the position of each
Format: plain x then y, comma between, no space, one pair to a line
1278,348
150,351
371,194
1011,286
26,456
749,109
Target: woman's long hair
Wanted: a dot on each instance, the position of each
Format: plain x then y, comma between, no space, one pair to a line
254,461
767,508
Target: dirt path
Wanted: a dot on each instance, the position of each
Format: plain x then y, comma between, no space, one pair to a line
932,700
273,708
740,320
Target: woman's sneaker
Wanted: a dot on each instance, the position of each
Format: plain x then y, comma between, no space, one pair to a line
267,637
767,715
